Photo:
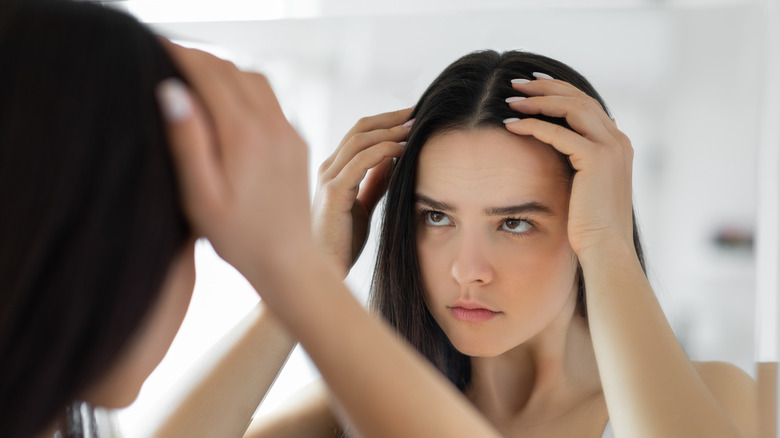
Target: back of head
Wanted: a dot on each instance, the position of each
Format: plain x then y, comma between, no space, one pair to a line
90,218
469,94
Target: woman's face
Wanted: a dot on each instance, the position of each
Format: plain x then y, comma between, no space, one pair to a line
494,254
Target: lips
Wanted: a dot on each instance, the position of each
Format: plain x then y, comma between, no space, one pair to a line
473,314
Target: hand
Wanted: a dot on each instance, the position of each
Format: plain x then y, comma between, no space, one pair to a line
600,210
342,206
242,167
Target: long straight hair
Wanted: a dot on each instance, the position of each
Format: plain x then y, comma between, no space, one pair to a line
91,219
469,94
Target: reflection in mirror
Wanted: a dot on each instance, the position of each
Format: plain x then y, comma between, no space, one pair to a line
686,83
768,242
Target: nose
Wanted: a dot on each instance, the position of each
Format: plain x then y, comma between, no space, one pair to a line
471,263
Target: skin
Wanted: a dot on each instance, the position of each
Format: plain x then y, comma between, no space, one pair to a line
229,150
231,142
533,361
650,386
558,379
523,269
147,348
219,404
122,383
561,380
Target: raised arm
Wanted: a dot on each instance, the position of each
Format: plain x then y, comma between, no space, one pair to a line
651,387
307,413
244,185
341,215
219,394
343,206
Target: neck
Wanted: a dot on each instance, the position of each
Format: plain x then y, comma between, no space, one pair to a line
542,378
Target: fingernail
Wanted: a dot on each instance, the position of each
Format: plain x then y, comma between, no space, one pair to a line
511,120
539,75
520,81
174,100
514,99
402,144
409,123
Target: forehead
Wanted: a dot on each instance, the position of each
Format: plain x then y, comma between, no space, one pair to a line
490,166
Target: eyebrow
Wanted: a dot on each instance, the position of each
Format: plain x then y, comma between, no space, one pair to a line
525,208
435,205
512,210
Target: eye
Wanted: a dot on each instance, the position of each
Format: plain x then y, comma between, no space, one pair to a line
437,219
516,226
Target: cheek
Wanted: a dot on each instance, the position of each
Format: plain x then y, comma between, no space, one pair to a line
539,267
147,347
164,321
547,260
170,312
434,268
427,276
542,274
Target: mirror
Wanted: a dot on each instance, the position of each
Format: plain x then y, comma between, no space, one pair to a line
685,81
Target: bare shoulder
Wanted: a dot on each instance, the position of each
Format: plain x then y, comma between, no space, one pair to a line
735,391
306,413
724,377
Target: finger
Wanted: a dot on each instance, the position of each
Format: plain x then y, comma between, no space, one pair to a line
215,80
550,87
251,87
375,184
380,121
564,140
584,117
201,180
372,123
362,141
259,93
348,180
546,87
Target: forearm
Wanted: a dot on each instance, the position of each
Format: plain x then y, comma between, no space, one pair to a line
651,387
226,388
386,389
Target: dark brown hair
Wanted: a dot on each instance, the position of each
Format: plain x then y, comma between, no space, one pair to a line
468,94
91,219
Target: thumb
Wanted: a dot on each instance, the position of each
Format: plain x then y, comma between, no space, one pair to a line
202,182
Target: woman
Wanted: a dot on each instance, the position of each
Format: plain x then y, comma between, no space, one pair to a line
91,206
509,256
104,192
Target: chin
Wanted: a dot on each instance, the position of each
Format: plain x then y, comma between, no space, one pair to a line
127,398
120,387
114,398
477,348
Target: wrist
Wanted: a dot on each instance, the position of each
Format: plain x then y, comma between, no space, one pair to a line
274,263
290,279
614,253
